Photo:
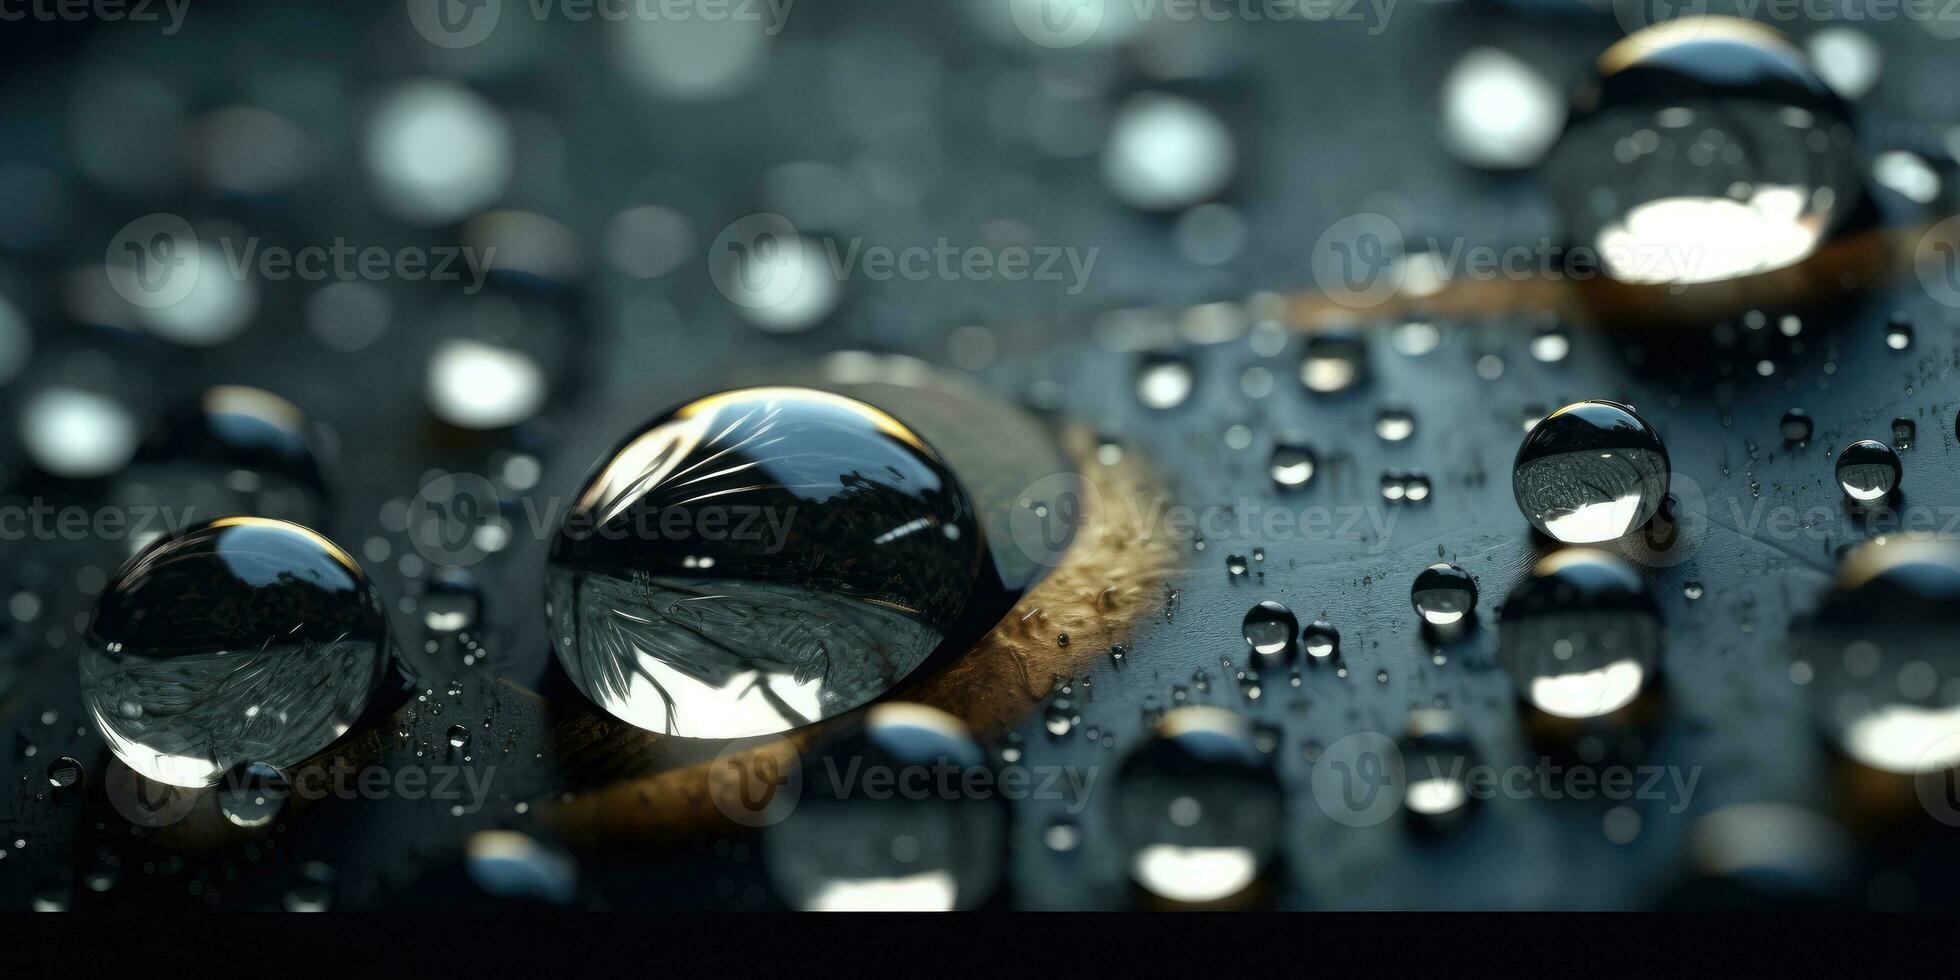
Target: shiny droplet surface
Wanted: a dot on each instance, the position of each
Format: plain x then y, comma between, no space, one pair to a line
251,794
850,845
1321,640
1581,636
1292,465
1885,666
1705,149
1796,426
1164,381
64,772
242,640
1590,472
1271,630
759,560
1867,470
1197,808
1443,594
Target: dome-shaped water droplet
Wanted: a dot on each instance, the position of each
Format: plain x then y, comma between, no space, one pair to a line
1796,426
243,640
1444,594
1198,808
1581,636
64,772
451,602
251,794
855,845
1164,381
1321,640
1292,465
1591,471
1333,363
1436,761
759,560
1867,470
1270,630
1886,673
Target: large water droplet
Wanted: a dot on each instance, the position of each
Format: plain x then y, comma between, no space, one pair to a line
854,845
758,560
1886,672
1580,637
1198,808
243,640
1591,471
1867,470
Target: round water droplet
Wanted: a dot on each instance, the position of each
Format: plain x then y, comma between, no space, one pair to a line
64,772
1167,153
1867,470
1395,425
1591,471
1444,594
242,640
1235,565
1499,113
1796,426
1291,465
1198,808
459,736
1885,666
1164,381
1904,430
1270,630
1332,363
251,794
759,560
451,602
1322,640
853,845
77,434
1898,334
1706,150
1581,636
510,865
1436,760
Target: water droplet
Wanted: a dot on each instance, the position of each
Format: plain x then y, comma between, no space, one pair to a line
1867,470
1692,590
1898,334
1235,565
1292,466
1444,594
1198,808
511,865
1903,433
76,434
1167,153
251,794
1591,471
1322,640
1499,113
451,602
1796,426
241,640
1332,363
1062,835
783,628
64,772
854,845
1436,760
1395,425
459,736
1164,381
1581,636
1705,156
1550,345
1270,630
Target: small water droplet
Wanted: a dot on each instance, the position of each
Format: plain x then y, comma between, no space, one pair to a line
1443,594
1867,470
